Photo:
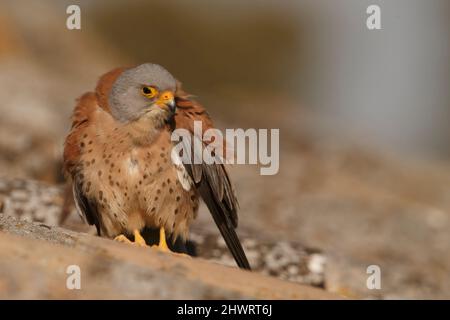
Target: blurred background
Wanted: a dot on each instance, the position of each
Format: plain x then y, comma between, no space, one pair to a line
363,115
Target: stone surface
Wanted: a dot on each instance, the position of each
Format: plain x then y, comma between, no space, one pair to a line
35,258
360,209
39,202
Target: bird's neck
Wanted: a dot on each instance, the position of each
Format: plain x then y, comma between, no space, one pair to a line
145,131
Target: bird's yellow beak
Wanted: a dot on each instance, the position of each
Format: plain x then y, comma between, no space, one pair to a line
166,98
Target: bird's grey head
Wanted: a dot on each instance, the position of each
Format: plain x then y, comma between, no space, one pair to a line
147,89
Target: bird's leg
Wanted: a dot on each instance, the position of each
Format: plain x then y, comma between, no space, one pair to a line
138,239
162,246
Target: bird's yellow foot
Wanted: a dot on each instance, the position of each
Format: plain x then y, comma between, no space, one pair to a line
138,239
122,238
162,246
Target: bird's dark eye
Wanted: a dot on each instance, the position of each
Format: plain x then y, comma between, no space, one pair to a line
148,91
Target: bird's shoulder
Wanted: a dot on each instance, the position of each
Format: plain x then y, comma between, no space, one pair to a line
82,117
188,111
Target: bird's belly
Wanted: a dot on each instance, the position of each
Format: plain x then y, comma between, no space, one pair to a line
140,188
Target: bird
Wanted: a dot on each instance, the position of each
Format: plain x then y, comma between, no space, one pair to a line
125,176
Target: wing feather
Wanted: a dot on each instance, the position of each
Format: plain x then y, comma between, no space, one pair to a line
86,105
212,180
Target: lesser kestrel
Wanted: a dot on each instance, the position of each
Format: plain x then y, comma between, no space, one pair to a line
119,157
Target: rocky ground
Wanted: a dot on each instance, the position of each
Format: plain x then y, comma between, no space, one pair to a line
32,201
37,261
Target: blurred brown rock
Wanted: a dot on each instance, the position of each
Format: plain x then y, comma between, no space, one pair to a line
359,209
44,68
